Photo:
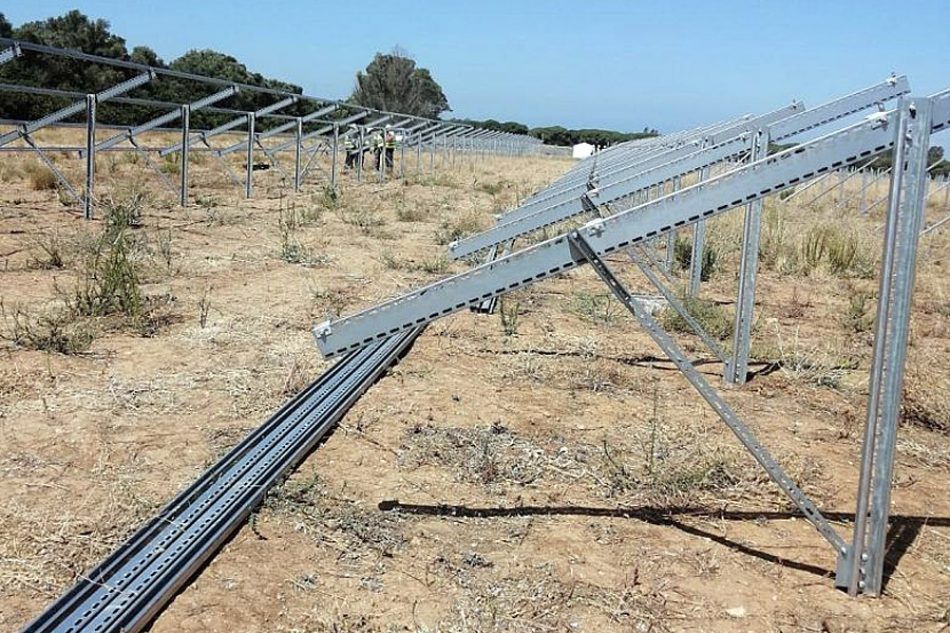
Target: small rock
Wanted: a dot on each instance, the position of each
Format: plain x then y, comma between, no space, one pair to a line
736,612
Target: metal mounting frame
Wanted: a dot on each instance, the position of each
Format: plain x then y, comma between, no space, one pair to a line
292,127
906,129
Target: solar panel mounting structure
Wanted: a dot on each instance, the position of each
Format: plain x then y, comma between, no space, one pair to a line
330,116
905,130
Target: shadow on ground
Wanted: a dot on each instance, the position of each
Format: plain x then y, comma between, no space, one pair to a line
903,531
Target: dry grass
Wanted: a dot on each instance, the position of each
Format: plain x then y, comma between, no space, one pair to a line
562,406
709,314
41,177
343,524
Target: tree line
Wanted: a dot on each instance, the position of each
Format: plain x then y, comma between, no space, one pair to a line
76,31
391,81
558,135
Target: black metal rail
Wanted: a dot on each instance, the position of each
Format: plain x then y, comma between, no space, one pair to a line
125,591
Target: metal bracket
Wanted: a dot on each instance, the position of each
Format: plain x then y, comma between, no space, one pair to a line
582,249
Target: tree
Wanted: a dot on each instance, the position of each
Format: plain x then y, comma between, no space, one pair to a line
72,30
76,31
6,29
393,83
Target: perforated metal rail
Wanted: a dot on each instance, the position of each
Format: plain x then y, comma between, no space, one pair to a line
126,590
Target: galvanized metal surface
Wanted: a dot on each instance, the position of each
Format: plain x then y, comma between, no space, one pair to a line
128,588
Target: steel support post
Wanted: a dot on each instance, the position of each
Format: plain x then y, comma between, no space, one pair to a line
382,157
249,172
88,199
419,154
899,262
671,236
359,159
336,144
699,245
584,250
737,368
185,147
298,140
402,158
678,306
863,204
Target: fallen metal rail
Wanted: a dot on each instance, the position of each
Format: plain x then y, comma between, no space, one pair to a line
124,592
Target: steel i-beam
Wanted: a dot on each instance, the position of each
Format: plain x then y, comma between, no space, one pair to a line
249,174
865,558
698,246
90,156
185,149
737,368
586,252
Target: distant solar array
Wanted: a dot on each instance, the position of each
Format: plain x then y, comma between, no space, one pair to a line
295,139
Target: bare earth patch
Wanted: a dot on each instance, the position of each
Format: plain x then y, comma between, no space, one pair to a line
535,470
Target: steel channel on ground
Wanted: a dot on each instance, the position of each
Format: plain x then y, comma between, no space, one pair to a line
135,582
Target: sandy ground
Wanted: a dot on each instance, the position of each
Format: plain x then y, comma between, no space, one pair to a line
542,469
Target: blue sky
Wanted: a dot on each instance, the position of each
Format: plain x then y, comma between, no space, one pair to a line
611,64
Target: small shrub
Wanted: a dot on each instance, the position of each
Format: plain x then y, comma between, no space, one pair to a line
56,331
292,249
206,202
411,213
204,307
598,307
42,178
819,366
50,247
170,165
435,266
110,269
328,301
860,311
709,314
838,250
510,312
492,188
10,172
310,215
366,220
391,261
165,248
683,254
331,198
777,249
124,211
109,279
457,228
